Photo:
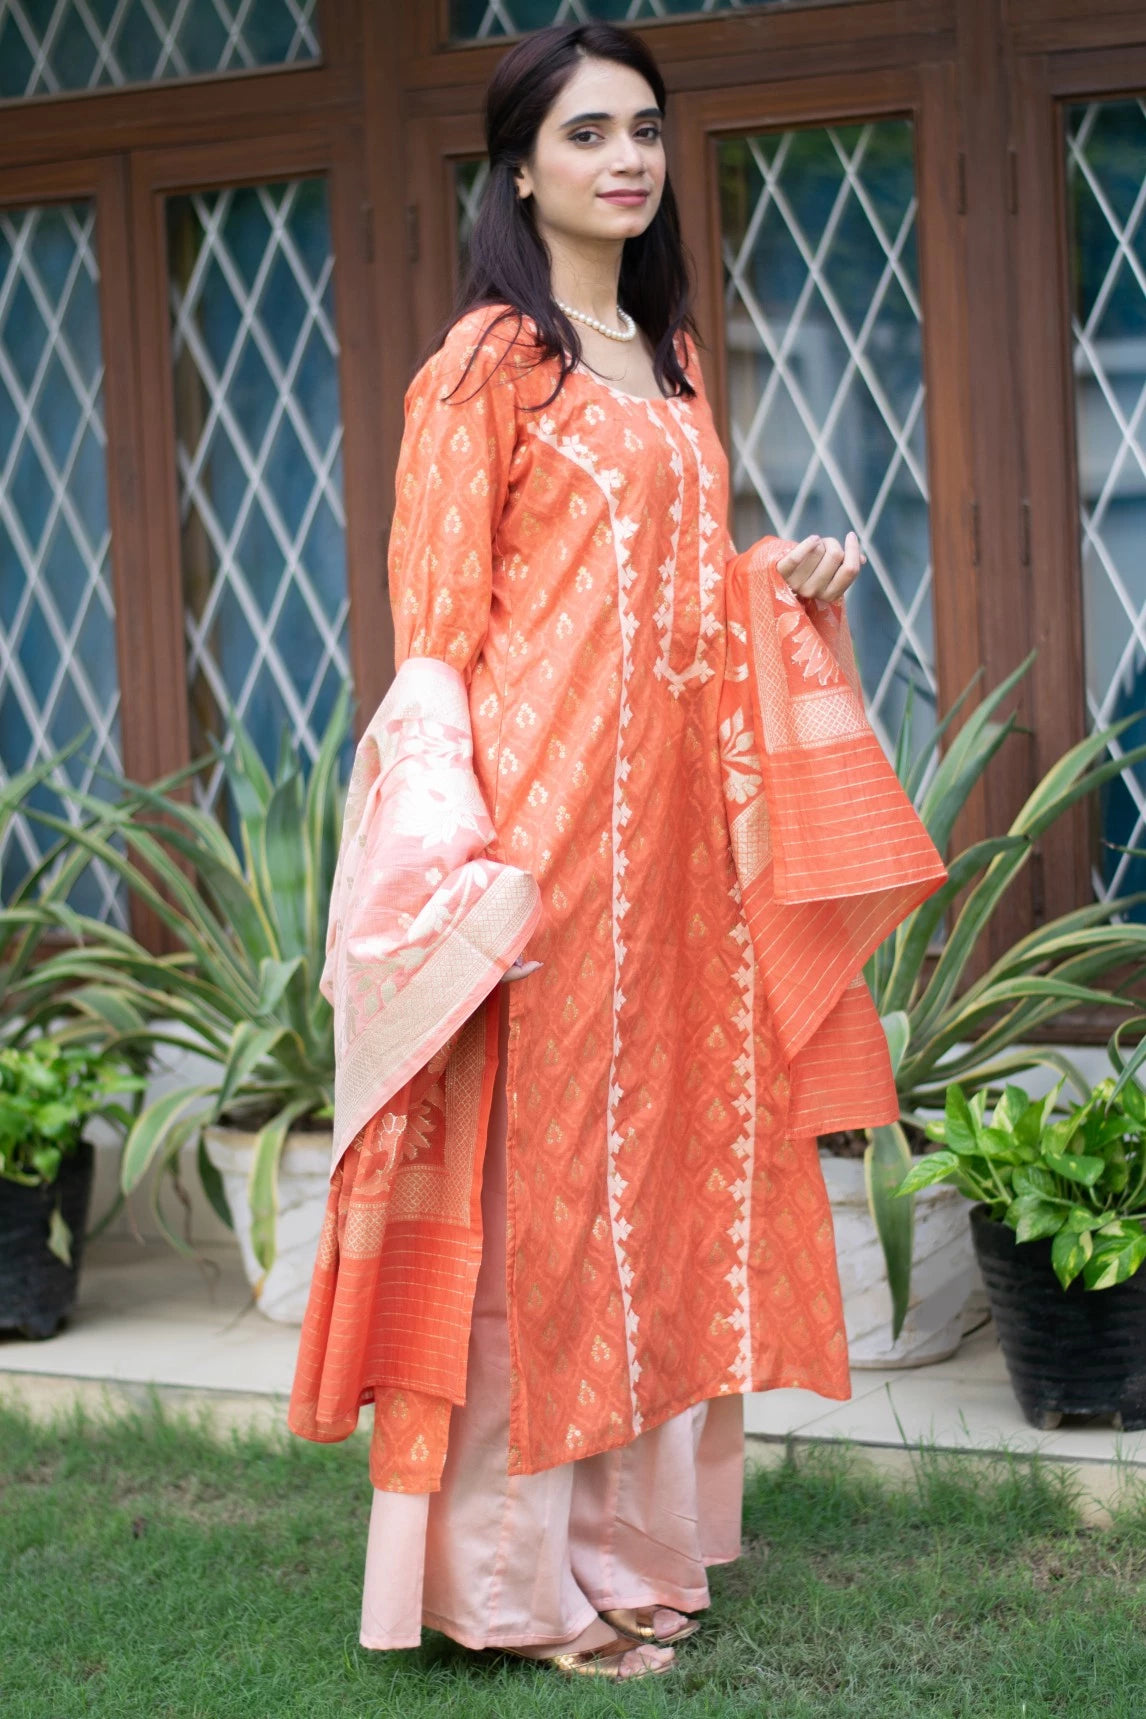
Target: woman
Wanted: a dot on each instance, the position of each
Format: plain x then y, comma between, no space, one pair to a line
574,1217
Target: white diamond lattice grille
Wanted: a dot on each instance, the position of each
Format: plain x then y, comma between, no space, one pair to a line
470,179
58,673
1106,190
258,443
47,46
474,20
825,376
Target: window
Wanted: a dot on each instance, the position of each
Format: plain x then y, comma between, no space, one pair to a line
58,679
48,46
258,431
822,335
477,20
1106,185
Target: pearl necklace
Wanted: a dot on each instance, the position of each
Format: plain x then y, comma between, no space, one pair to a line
629,332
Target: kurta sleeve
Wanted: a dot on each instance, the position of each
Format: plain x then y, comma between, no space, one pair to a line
451,484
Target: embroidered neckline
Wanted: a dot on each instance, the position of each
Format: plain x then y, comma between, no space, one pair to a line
636,399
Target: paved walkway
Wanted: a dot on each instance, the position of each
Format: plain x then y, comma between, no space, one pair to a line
147,1318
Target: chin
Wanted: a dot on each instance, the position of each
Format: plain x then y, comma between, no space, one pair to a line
624,224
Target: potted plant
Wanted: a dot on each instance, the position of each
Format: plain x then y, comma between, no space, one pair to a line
907,1272
48,1092
246,920
1059,1228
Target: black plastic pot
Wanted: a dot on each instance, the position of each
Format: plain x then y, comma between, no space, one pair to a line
1073,1351
37,1290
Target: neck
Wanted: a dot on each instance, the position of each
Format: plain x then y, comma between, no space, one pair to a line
585,274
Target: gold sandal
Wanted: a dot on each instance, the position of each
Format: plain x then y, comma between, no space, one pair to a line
638,1625
604,1661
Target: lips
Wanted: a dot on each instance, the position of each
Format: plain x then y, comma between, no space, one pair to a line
627,199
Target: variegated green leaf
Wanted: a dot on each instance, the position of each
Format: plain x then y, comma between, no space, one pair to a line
897,1029
152,1130
886,1162
1076,1167
931,1167
264,1179
1069,1253
1032,1217
60,1236
1114,1261
250,1044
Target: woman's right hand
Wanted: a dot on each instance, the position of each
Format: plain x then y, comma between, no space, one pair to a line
822,567
519,970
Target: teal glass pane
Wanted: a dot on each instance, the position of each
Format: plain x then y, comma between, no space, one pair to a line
823,332
58,675
1106,199
477,20
259,454
49,46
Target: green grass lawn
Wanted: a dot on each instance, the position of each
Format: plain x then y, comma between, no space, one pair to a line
148,1571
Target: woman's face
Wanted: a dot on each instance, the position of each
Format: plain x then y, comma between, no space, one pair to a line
598,166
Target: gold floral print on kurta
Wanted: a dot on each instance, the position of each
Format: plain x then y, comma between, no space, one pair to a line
582,599
666,745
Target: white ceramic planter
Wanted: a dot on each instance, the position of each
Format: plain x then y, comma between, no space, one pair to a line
303,1182
944,1274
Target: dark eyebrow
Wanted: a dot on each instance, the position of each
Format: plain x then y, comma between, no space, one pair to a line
580,118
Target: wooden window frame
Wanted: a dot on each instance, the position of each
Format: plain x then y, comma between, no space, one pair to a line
1057,63
392,106
925,96
1046,82
131,147
156,175
128,149
102,181
788,39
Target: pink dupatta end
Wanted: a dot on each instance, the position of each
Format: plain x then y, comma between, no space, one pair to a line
422,924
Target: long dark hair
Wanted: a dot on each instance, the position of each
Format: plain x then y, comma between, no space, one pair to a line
508,263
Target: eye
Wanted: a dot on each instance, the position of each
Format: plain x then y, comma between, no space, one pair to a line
577,136
649,133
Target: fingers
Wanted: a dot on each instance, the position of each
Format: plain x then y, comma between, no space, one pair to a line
822,567
798,565
520,970
846,573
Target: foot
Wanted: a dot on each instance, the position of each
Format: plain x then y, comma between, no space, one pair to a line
658,1624
621,1662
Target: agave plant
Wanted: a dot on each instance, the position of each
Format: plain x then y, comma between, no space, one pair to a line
246,920
22,923
942,1031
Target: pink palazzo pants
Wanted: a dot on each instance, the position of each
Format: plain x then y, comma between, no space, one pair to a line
501,1560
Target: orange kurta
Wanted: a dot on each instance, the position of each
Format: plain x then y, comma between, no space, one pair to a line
669,1233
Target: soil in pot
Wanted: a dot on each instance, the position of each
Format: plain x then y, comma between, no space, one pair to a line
1073,1351
853,1142
37,1290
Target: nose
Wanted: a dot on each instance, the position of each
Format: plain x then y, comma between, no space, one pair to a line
627,157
